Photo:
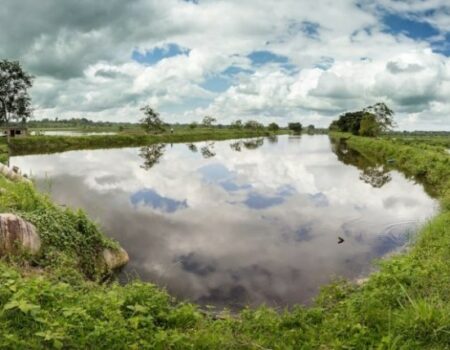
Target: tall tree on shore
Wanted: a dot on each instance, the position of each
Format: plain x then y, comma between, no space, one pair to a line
371,121
384,116
15,102
151,121
208,121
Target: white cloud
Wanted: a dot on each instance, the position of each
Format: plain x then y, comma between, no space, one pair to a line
340,57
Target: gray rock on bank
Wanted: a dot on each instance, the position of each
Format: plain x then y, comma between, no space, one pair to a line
12,174
115,259
18,235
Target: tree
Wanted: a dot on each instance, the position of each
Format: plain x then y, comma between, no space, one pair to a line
384,116
371,121
273,127
14,99
208,121
193,125
295,127
237,124
151,121
369,126
350,122
253,124
310,129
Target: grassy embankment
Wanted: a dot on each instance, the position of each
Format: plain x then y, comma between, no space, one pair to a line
405,305
52,144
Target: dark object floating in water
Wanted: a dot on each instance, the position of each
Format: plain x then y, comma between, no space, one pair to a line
340,240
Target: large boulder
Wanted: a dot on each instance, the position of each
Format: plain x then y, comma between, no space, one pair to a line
17,235
115,258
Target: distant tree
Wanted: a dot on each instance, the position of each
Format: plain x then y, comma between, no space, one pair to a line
237,124
253,124
310,129
273,127
295,127
151,121
208,121
15,103
193,125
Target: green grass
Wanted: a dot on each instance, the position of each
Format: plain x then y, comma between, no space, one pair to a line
52,144
404,305
69,238
423,161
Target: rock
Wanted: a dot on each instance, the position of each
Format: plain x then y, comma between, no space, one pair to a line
17,234
115,258
12,174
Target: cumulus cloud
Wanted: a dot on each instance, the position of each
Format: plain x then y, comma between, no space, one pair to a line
293,60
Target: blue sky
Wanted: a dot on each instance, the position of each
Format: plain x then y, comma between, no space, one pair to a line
290,60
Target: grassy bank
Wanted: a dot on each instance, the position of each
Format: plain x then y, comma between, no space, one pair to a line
52,144
405,305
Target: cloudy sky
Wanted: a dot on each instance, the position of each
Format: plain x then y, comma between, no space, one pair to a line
276,61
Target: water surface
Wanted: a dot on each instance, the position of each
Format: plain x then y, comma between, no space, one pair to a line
232,223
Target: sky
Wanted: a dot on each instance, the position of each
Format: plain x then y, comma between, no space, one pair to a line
272,61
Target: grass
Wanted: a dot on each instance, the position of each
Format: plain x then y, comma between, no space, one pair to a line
52,144
404,305
69,238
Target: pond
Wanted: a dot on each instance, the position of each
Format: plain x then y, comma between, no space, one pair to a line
240,222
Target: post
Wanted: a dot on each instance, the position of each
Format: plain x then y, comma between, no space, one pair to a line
5,111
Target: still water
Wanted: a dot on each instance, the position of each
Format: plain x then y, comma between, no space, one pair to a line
236,223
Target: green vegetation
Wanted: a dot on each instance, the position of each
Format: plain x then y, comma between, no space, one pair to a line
69,238
4,150
405,305
295,127
151,122
273,127
15,102
371,121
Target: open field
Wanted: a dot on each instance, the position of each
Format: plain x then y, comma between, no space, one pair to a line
54,302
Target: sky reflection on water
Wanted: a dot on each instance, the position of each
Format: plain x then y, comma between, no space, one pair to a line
232,223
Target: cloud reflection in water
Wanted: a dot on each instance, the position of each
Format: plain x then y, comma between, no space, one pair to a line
262,221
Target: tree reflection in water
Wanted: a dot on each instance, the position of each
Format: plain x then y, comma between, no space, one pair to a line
272,139
208,150
247,144
151,155
192,147
375,174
